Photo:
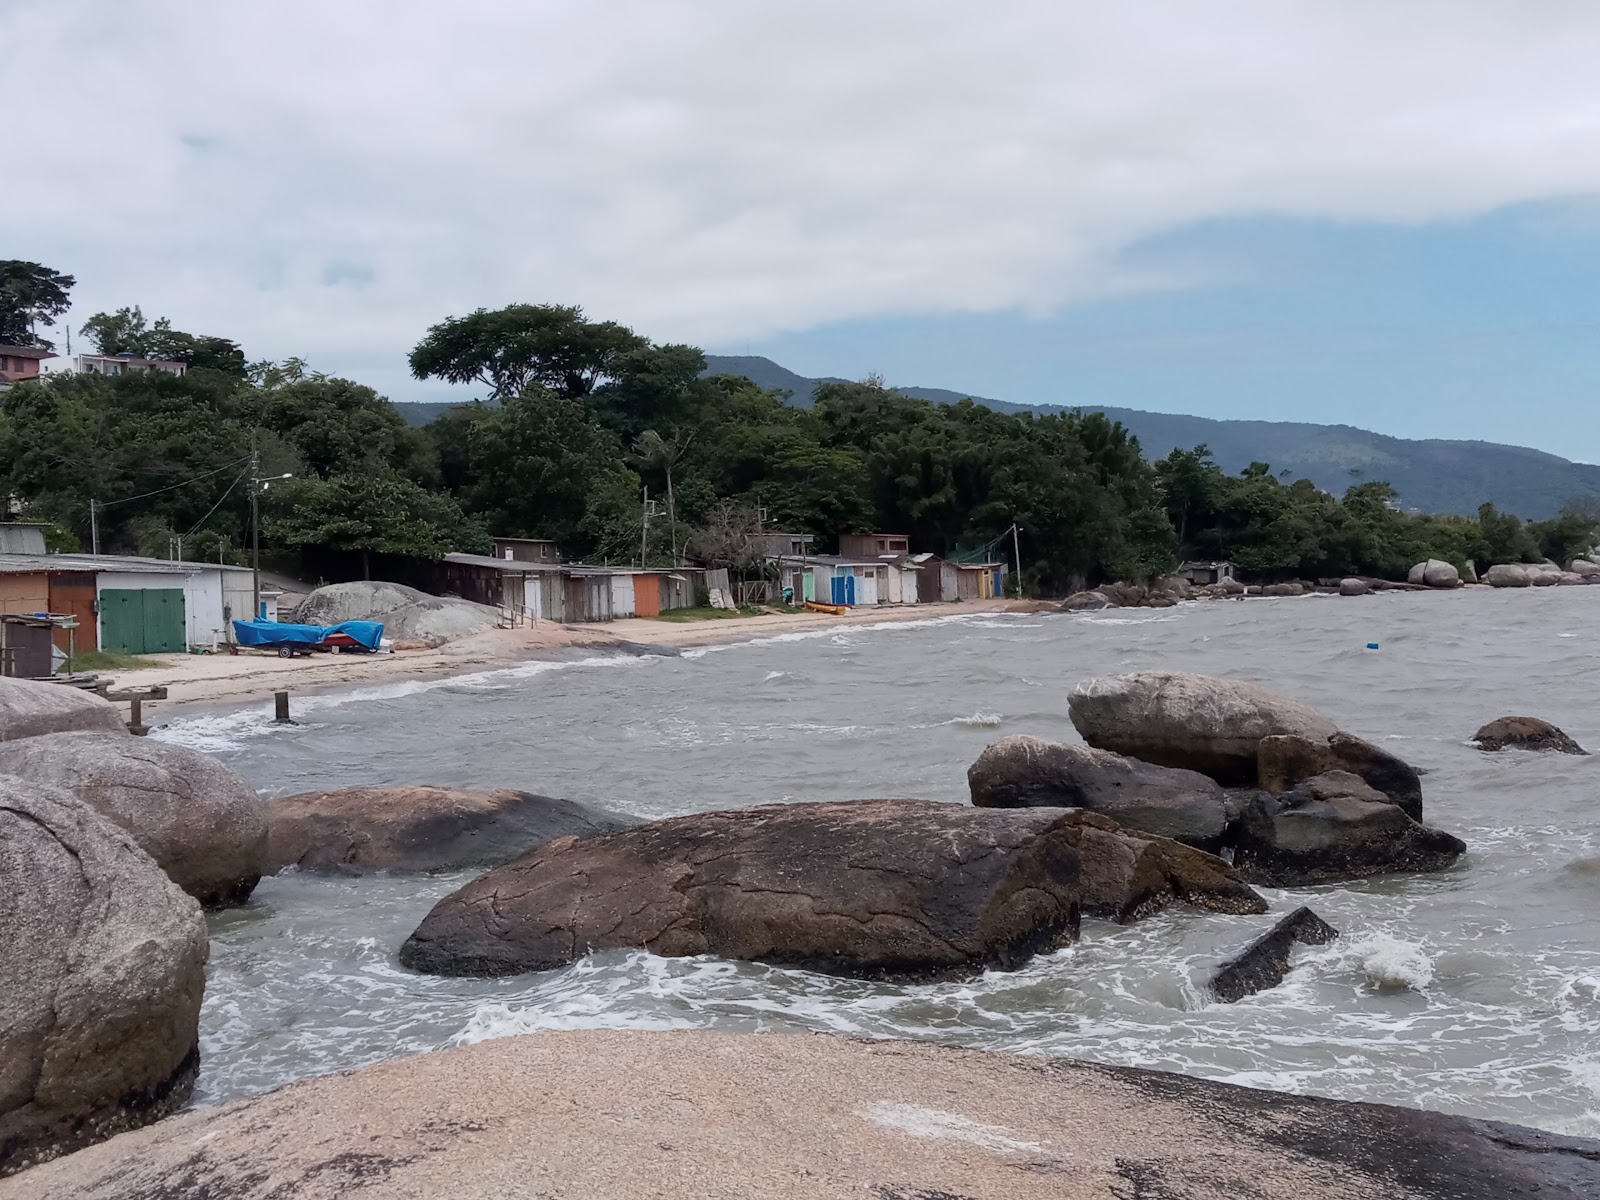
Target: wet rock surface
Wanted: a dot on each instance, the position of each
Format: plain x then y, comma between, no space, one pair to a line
101,978
1331,828
1023,772
888,889
1264,962
600,1114
200,820
1286,760
1524,733
353,831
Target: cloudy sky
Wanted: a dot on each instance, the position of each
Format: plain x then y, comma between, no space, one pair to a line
1379,212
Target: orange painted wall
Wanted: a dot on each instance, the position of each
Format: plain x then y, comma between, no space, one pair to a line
647,595
25,592
75,593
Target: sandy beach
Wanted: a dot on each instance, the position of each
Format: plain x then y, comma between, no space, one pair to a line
220,681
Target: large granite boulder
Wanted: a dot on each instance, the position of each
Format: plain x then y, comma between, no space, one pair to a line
1582,566
600,1114
1354,587
1333,828
1503,575
1196,722
1029,772
101,976
893,889
30,707
356,830
1525,733
1287,760
1434,573
1085,602
198,819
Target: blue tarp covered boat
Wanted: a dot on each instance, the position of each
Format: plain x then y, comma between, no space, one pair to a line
365,635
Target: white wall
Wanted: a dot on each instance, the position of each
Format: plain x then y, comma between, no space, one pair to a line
202,597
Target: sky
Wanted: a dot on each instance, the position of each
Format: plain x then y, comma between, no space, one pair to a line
1384,214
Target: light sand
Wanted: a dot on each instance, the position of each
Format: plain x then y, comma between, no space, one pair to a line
251,676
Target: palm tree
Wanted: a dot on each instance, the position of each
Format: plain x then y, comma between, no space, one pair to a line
652,452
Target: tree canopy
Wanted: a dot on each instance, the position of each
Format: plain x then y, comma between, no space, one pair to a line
31,295
510,349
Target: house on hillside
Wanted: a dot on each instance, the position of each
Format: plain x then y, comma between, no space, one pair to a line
1203,574
868,545
787,544
18,363
538,550
126,364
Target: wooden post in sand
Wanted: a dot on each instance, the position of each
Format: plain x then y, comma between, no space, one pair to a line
280,704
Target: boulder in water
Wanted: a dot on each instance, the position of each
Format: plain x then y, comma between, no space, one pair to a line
1582,566
1525,733
1354,587
32,707
1332,828
1503,575
1264,962
101,979
1085,602
1435,573
1028,772
1283,589
422,828
1196,722
602,1114
1287,760
202,823
889,889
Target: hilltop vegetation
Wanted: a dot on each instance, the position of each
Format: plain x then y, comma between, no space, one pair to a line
587,417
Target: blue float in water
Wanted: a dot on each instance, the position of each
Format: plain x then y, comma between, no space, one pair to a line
1372,645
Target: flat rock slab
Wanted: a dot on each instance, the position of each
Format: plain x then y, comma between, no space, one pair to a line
883,889
29,708
1264,962
611,1115
1524,733
353,831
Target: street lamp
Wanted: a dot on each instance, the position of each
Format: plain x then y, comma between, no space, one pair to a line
257,486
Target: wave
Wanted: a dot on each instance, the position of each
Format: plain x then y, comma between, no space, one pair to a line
978,720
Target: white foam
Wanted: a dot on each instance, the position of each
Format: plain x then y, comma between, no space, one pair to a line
978,720
1389,963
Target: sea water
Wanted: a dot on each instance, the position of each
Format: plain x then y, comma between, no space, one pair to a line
1475,990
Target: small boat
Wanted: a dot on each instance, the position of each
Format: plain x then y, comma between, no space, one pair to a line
833,610
292,641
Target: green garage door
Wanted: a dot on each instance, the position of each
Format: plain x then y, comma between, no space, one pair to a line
143,620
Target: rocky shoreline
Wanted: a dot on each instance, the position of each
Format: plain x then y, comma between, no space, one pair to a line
1190,789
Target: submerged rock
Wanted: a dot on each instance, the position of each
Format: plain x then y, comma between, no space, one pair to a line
606,1114
1196,722
32,708
1285,760
352,831
101,977
1525,733
1028,772
200,820
893,889
1264,962
1331,828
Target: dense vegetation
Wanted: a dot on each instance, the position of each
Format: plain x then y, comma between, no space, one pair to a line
588,418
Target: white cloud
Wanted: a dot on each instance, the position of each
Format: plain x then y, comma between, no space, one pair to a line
330,178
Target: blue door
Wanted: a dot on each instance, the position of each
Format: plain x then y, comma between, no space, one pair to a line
844,589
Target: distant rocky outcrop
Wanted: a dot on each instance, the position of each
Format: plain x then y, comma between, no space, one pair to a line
1023,771
609,1114
1196,722
31,707
409,617
201,821
1434,573
101,977
1331,828
891,889
1524,733
420,828
1264,962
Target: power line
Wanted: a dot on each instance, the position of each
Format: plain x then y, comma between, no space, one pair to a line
175,486
216,506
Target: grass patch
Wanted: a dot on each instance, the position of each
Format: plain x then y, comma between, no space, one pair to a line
682,616
109,660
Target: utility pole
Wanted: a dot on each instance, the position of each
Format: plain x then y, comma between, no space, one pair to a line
94,530
644,537
1016,549
255,530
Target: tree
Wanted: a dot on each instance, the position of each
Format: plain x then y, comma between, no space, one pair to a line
126,332
510,349
732,537
31,295
659,455
1190,484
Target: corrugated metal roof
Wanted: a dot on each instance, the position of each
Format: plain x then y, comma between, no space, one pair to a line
17,563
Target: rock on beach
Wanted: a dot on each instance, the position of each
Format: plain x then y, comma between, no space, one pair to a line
1023,772
31,708
610,1114
885,889
353,831
101,979
200,820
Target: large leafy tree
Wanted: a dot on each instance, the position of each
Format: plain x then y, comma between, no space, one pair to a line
512,349
31,295
126,331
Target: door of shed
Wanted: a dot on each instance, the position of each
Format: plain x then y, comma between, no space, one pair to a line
73,593
143,620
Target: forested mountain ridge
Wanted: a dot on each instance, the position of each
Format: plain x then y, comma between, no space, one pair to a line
1433,475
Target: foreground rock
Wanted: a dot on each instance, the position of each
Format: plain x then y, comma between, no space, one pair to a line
884,889
607,1114
30,708
1028,772
1264,962
1332,828
356,830
1196,722
101,977
1286,760
410,618
201,822
1525,733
